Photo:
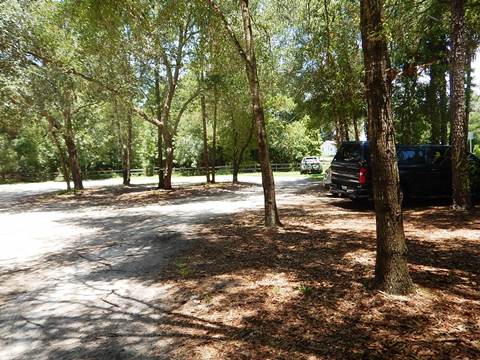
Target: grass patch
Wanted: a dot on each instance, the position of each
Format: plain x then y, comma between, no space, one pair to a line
183,267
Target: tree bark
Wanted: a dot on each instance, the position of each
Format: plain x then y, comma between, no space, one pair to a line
391,268
238,153
69,138
161,180
355,129
443,110
459,127
214,135
248,56
411,89
167,179
167,137
127,151
53,129
271,213
206,164
158,110
433,103
235,157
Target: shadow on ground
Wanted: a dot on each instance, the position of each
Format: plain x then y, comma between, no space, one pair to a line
304,290
237,291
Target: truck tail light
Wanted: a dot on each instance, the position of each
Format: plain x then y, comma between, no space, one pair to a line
362,176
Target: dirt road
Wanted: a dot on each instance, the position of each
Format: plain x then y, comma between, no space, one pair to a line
82,279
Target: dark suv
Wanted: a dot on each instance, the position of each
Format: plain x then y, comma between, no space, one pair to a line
425,171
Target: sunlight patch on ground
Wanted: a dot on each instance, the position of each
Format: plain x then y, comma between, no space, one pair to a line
26,236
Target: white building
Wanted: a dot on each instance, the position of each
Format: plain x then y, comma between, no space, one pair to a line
328,148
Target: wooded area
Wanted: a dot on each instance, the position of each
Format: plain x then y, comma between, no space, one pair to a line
95,85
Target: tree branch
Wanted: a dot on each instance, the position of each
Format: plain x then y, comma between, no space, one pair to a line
230,31
147,118
183,108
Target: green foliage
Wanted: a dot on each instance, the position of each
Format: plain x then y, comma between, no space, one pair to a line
88,55
306,290
474,124
183,267
290,142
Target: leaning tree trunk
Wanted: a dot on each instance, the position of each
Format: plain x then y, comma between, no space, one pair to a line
63,161
271,213
391,269
248,56
73,161
459,128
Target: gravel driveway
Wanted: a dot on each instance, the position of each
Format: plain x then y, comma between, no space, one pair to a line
85,282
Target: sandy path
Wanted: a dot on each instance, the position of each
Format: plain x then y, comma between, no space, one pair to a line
85,282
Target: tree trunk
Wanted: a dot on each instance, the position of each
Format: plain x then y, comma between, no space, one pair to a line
238,153
412,90
391,269
63,162
433,102
167,136
158,108
235,170
53,127
214,135
161,172
338,134
235,157
206,164
271,214
459,128
167,179
73,161
443,110
69,138
355,129
127,151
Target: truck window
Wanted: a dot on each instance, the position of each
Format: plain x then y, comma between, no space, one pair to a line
411,156
349,153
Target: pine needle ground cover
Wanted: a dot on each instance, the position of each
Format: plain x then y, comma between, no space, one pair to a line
303,291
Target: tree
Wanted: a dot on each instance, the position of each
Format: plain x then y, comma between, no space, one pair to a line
40,51
460,179
391,269
248,56
206,157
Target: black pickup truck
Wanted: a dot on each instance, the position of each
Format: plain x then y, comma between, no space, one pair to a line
425,171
